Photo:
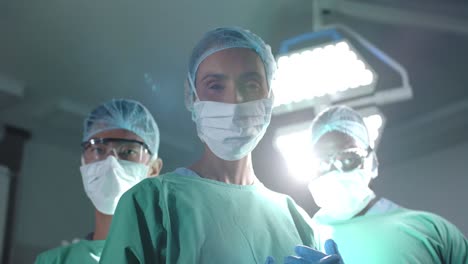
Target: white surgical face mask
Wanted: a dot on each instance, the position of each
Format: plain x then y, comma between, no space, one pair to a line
107,180
341,195
232,131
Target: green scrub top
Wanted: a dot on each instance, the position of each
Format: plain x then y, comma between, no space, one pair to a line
398,236
188,219
82,252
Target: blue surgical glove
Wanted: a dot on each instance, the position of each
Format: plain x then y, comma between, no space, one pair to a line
307,255
270,260
331,248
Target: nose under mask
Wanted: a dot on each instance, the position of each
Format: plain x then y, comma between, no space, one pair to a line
107,180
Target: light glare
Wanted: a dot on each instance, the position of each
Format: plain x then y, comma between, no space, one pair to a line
296,148
296,151
320,71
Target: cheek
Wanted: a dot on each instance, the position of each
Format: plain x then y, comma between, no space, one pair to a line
85,160
203,94
146,161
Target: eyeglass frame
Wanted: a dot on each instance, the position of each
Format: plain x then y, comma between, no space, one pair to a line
333,166
85,145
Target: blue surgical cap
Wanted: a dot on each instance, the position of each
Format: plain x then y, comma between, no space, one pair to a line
227,38
342,119
123,114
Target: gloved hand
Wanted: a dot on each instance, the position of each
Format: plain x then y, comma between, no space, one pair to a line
307,255
270,260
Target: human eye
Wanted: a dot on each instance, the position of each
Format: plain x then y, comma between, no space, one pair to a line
97,149
215,85
129,151
350,161
253,85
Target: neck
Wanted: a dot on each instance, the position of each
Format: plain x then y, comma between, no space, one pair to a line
102,225
234,172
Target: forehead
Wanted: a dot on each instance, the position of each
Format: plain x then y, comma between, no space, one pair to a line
233,61
333,142
118,133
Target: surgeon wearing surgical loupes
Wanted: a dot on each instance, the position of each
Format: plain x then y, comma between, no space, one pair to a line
352,214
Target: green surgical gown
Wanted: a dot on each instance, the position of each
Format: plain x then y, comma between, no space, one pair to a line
399,236
180,219
82,252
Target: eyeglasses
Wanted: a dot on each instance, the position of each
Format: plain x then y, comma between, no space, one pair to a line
344,161
97,149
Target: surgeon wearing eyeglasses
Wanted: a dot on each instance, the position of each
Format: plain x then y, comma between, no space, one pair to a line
355,217
119,149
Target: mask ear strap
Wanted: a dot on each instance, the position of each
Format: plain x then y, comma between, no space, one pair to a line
190,92
375,167
270,90
271,96
373,164
188,96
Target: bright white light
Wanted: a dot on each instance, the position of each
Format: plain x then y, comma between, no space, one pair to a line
297,152
316,72
374,124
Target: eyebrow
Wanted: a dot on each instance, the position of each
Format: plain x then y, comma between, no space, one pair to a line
250,75
214,75
244,76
